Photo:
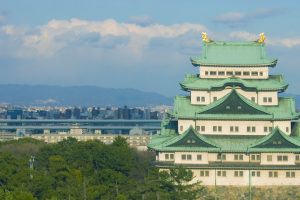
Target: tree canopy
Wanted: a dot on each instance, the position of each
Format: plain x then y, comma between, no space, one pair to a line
33,170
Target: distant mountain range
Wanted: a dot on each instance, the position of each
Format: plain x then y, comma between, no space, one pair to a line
85,96
78,95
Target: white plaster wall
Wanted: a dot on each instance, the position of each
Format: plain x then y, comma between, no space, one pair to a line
209,96
161,156
247,94
290,161
205,94
259,126
185,124
194,160
273,95
230,179
264,70
283,125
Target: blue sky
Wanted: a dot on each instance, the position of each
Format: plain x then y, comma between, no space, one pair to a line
135,43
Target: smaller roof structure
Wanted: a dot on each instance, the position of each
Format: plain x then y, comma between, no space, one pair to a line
276,141
233,54
273,83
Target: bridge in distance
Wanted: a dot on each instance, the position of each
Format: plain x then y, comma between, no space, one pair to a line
66,124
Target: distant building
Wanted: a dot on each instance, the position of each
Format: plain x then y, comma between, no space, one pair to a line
76,113
14,113
138,141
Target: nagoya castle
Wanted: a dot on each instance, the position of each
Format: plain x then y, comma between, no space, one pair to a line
232,128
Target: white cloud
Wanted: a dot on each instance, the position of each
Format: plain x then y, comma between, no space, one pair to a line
288,42
48,39
234,19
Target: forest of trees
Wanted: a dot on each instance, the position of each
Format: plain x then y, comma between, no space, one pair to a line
86,171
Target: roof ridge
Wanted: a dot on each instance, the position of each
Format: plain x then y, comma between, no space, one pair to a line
187,132
276,130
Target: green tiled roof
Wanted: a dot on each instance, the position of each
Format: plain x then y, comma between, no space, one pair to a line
227,143
233,54
277,141
285,110
273,83
190,138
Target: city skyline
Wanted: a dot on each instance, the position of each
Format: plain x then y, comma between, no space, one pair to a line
134,44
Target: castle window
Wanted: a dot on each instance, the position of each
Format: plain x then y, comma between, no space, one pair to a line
270,129
297,157
270,99
273,174
213,73
206,72
203,128
203,99
265,99
221,73
236,129
265,129
255,173
253,99
282,158
231,128
238,73
254,73
269,158
181,128
238,156
189,157
198,99
199,157
290,174
255,157
260,73
198,128
215,98
221,157
221,173
246,73
241,157
219,128
166,156
183,157
248,129
238,173
229,73
171,156
204,173
253,129
214,128
287,129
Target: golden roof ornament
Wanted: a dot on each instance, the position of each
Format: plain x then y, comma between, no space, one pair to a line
204,37
262,38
